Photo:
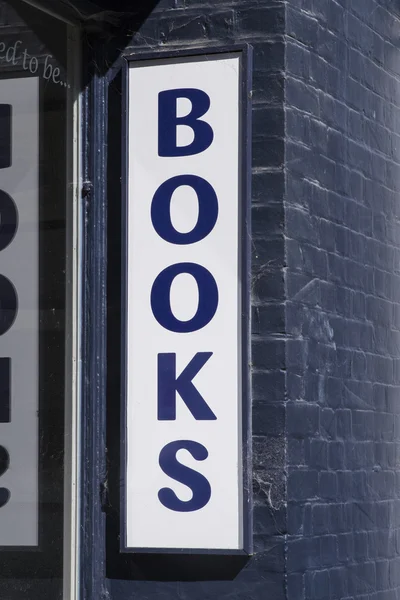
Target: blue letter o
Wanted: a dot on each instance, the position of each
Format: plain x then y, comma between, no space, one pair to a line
208,298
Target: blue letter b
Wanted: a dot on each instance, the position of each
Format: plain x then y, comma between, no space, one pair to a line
168,122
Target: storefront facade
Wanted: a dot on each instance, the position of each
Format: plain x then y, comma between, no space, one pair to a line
232,436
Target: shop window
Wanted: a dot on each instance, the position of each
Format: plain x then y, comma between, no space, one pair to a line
38,304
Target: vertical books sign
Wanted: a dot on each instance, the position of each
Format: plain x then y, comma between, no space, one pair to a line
19,297
186,305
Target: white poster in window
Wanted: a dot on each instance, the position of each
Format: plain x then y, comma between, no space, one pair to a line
19,311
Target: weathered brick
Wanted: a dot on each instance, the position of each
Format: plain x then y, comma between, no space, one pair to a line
256,20
302,419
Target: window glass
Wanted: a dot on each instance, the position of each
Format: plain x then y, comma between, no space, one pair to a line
36,302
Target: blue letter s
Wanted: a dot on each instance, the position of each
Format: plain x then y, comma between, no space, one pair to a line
195,481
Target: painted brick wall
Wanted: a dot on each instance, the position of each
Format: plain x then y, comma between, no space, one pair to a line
343,289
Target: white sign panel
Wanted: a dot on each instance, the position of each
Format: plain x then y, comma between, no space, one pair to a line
184,346
19,255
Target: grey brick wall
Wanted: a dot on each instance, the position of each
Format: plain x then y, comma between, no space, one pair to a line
342,281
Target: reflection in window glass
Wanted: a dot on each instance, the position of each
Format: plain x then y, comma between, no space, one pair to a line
35,120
